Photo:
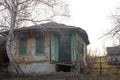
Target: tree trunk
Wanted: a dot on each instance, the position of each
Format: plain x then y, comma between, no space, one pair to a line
9,44
9,48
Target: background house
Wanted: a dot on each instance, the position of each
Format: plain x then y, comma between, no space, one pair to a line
113,54
50,47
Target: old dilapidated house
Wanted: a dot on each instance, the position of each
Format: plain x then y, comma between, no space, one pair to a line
50,47
113,54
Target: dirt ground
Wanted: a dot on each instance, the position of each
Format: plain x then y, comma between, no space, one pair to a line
106,74
53,76
94,75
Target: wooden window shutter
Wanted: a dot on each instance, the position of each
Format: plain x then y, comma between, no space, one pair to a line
40,47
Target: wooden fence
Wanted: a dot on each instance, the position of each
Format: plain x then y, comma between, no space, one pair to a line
103,65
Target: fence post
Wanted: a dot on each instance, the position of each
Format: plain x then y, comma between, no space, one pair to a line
100,67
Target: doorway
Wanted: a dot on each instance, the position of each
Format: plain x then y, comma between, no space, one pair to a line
64,47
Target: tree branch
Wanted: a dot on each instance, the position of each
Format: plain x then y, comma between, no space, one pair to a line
3,9
2,26
1,33
34,21
19,3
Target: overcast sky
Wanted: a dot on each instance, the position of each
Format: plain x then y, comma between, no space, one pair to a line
92,16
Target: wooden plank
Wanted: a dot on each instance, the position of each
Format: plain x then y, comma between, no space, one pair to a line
67,63
56,47
74,47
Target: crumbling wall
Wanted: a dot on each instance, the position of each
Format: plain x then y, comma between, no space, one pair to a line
32,63
81,52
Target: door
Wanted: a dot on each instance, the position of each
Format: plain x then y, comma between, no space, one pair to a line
64,47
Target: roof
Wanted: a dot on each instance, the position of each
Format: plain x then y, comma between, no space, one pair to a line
113,50
52,27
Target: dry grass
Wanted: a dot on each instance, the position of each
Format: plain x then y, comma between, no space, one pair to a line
106,75
54,76
109,72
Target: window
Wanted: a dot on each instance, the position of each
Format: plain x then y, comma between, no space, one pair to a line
40,47
22,47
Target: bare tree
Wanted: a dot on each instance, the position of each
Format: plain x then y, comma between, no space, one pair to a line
18,13
115,31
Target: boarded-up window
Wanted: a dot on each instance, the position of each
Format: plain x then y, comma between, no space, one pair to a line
40,47
22,47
